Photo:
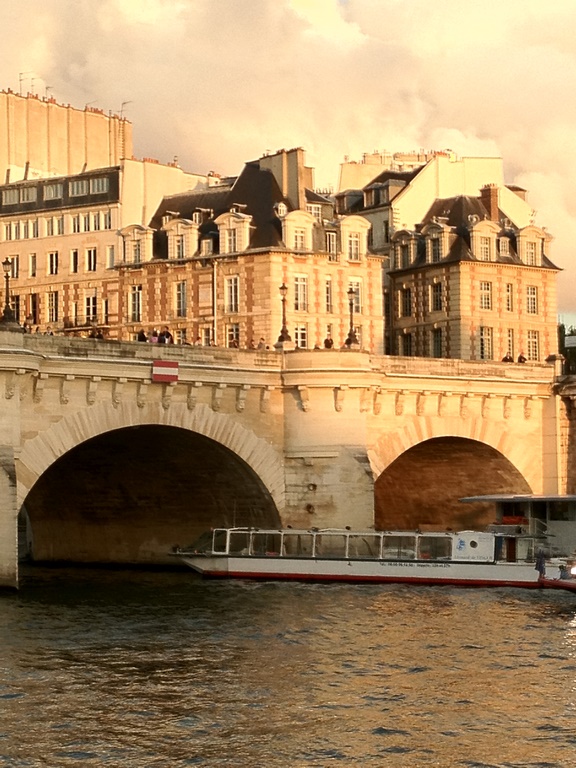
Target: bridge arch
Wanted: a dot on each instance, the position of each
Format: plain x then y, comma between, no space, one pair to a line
422,486
176,460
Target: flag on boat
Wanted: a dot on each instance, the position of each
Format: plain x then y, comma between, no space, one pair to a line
164,371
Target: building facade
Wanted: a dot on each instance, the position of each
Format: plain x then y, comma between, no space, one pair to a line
40,137
61,235
469,283
210,264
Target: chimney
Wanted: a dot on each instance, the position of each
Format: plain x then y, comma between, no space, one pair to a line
489,198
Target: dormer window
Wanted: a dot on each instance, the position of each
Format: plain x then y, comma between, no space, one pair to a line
297,227
234,229
299,239
206,248
332,246
354,246
484,249
504,246
370,197
281,210
403,256
197,217
435,250
231,240
531,253
137,244
315,210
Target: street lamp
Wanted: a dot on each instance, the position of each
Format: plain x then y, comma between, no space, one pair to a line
8,318
284,335
351,334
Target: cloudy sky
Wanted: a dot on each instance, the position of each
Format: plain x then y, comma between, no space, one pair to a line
219,82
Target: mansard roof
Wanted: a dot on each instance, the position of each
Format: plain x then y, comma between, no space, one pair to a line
255,189
385,176
456,211
460,213
315,197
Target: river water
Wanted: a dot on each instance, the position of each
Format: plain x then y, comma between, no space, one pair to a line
132,668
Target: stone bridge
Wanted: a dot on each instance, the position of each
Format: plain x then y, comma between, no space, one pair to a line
103,463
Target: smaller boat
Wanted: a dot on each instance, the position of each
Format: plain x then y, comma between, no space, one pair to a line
505,555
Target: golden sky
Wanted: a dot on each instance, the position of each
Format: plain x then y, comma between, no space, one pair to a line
219,82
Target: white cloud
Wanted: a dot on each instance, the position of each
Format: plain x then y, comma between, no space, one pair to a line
218,82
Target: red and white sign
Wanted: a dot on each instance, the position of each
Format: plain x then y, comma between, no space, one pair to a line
164,371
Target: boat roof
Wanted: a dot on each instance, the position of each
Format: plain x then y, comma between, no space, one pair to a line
519,498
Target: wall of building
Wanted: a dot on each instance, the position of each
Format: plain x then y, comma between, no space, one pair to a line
444,177
55,139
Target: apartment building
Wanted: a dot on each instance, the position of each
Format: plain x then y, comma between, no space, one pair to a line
40,137
211,263
470,283
61,235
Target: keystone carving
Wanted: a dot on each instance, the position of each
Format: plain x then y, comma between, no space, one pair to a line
217,393
65,389
421,403
192,396
92,389
399,403
377,401
241,397
339,393
142,395
528,407
464,409
364,400
486,406
10,386
167,391
117,392
304,398
507,407
265,400
443,402
38,388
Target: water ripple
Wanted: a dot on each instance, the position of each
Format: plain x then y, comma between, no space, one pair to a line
137,670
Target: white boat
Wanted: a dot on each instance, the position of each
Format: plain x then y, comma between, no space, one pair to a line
508,554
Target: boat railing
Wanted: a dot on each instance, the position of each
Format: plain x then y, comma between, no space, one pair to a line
339,544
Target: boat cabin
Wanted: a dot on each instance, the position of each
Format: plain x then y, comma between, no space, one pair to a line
338,544
553,518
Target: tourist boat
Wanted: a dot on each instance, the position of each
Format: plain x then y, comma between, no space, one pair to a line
513,552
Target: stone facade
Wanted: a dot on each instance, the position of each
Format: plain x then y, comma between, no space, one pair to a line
470,283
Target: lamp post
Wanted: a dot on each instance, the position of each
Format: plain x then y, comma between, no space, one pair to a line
8,320
351,335
284,335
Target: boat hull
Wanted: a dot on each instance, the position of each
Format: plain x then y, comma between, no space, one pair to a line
399,572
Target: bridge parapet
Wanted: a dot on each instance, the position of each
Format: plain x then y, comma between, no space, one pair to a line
317,427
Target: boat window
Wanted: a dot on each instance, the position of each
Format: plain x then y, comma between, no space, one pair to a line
515,509
239,542
525,550
266,543
219,541
364,547
434,547
299,544
562,510
399,548
330,545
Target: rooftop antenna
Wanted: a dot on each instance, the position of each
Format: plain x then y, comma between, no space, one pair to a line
22,76
48,88
122,107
